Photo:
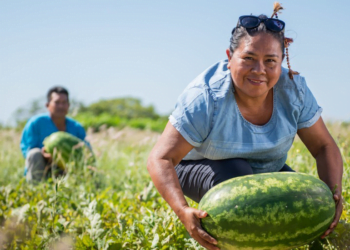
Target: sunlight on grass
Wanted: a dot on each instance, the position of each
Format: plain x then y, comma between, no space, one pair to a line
115,206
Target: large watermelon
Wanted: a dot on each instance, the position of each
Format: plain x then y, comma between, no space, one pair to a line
64,147
268,211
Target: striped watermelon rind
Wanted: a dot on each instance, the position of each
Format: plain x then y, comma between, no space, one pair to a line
268,211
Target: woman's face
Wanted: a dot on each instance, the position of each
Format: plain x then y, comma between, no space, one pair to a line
255,65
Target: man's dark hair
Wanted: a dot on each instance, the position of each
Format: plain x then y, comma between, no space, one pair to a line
58,90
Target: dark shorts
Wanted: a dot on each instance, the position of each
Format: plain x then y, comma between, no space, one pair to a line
198,176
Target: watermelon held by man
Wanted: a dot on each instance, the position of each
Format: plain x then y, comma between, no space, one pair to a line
66,148
269,211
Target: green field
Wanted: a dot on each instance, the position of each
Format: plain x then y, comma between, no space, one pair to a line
115,206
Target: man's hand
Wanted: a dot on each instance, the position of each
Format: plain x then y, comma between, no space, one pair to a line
190,217
46,155
338,211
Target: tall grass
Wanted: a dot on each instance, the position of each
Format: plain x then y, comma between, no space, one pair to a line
115,206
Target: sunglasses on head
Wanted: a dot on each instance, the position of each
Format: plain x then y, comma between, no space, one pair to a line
250,22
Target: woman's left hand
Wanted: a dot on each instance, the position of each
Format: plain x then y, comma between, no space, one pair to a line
338,211
329,163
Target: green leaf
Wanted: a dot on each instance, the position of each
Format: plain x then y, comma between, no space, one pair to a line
316,245
59,227
87,241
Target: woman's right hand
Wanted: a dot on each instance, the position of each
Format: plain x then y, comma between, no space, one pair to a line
190,217
165,155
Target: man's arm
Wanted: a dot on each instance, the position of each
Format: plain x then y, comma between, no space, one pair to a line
30,138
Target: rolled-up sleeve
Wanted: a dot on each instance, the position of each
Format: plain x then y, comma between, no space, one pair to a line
193,115
310,111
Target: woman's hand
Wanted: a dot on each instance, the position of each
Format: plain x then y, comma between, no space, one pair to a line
338,212
329,163
190,217
166,154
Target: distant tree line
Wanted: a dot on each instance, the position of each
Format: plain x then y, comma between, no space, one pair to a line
127,107
118,112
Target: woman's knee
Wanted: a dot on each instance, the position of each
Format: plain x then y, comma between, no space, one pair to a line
230,168
198,176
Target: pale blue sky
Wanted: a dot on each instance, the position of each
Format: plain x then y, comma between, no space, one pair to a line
153,49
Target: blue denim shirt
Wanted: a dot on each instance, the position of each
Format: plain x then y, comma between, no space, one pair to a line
207,116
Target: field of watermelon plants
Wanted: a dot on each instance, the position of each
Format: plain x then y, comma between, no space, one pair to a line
115,206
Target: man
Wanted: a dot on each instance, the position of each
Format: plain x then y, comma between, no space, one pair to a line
41,126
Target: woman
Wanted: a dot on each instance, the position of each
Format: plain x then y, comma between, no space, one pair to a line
240,117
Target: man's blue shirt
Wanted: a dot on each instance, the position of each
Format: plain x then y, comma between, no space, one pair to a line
41,126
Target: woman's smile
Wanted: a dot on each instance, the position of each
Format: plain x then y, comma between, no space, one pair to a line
256,82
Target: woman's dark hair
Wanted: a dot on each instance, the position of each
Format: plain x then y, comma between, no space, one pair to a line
239,33
58,90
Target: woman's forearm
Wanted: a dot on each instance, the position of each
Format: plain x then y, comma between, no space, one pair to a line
330,167
170,149
165,179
